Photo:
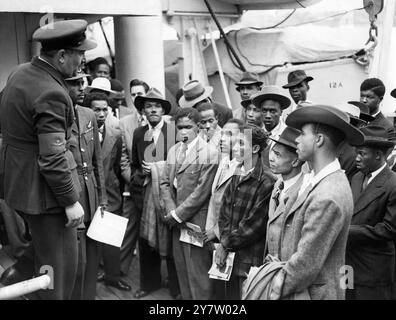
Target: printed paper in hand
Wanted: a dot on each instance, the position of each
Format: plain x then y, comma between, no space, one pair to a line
192,234
109,229
216,273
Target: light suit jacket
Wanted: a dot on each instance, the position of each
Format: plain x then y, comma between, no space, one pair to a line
218,189
276,216
313,238
194,181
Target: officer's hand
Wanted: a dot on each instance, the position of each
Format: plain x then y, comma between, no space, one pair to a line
75,215
209,235
221,257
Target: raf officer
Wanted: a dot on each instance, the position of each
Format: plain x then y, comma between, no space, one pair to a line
40,179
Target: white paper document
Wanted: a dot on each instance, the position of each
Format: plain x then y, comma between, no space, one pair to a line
192,234
225,274
109,228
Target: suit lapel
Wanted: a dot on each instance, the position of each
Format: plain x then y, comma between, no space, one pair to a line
299,201
373,190
229,173
172,161
108,142
192,155
356,185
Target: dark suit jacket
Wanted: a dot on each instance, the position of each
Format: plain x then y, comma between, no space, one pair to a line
146,150
111,154
85,146
370,249
380,120
36,115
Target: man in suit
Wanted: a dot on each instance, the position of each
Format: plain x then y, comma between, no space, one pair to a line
283,160
190,169
248,85
85,147
370,248
372,93
244,212
194,94
150,144
111,146
315,228
128,124
36,119
298,86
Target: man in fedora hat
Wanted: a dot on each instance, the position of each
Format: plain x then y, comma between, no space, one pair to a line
150,144
298,86
371,248
283,161
194,93
372,93
247,86
315,227
271,101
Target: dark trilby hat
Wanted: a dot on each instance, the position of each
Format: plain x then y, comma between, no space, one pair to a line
288,137
353,113
294,78
364,111
376,136
194,92
152,95
271,93
67,34
327,115
247,79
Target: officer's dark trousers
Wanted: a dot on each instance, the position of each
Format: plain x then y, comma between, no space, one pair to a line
132,210
55,248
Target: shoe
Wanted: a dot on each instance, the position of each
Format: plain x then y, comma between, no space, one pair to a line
120,285
101,277
140,294
10,276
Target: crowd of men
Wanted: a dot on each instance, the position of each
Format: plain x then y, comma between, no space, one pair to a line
299,196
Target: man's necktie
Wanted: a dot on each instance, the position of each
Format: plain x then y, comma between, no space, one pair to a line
182,156
101,133
277,194
365,181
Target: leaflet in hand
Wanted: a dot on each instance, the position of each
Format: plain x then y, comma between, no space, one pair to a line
192,234
225,273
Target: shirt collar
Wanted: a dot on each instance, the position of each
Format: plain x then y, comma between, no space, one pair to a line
277,130
327,170
290,182
158,126
376,114
45,61
377,172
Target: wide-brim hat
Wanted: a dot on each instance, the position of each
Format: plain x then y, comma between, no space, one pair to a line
376,136
153,95
67,34
194,92
100,83
288,137
294,78
353,113
248,78
364,111
78,76
271,93
327,115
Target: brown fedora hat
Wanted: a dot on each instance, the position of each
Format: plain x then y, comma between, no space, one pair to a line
364,111
194,92
376,136
295,78
152,95
248,78
327,115
288,137
271,93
